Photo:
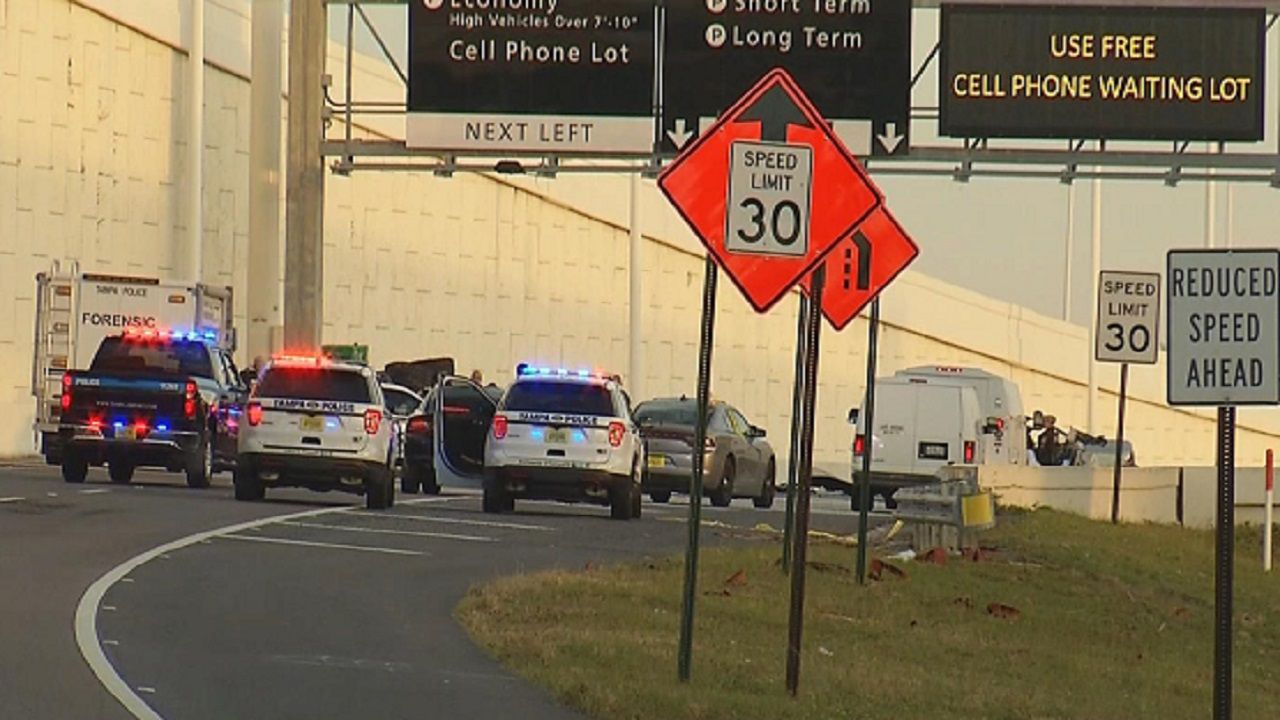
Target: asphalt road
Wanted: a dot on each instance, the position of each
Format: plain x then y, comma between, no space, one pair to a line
321,610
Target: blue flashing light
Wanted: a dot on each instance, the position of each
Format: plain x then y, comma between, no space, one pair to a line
331,424
162,428
527,370
584,373
117,425
536,434
579,436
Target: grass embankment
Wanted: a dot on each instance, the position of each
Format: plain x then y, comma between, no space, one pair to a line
1111,622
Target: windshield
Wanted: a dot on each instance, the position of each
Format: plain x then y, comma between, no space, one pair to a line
183,359
672,412
571,398
314,384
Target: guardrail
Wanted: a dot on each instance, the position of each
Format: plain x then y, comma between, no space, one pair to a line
948,513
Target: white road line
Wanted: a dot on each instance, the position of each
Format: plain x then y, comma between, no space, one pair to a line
86,621
51,494
11,500
94,491
452,521
147,690
380,531
308,543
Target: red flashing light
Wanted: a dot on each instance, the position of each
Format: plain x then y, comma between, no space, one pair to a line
372,421
66,393
456,410
95,424
860,445
417,425
969,450
189,405
253,411
499,427
140,429
617,431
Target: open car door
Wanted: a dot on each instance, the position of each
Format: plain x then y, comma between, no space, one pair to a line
462,412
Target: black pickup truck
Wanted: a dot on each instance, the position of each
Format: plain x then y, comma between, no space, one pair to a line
152,399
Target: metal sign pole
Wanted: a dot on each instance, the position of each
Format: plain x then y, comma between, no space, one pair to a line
800,553
1225,552
1119,470
695,480
802,323
863,503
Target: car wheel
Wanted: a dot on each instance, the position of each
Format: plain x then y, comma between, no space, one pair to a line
199,464
249,487
377,490
768,490
74,468
495,501
723,494
620,502
409,481
121,471
889,502
660,496
636,493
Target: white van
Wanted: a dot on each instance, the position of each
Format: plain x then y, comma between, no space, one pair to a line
930,417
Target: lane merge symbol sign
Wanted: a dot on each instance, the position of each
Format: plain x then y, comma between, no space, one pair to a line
863,265
769,189
1128,318
768,206
1224,327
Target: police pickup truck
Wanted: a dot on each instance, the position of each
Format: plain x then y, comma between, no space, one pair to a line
152,398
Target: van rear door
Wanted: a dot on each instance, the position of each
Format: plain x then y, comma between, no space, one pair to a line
937,439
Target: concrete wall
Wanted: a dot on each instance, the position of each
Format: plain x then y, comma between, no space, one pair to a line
1146,494
488,270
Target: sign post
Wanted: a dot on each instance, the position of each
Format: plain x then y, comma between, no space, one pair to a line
706,343
1224,351
864,483
769,190
797,403
1128,332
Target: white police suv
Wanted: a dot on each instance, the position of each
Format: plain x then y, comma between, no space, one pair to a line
564,435
317,423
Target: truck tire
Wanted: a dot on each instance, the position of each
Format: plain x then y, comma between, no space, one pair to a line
74,468
121,471
377,491
660,496
248,487
198,464
722,496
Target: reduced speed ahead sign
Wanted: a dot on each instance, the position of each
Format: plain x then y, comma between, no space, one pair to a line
769,189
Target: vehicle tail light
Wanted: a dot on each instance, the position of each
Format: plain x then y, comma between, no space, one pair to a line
499,427
95,424
140,429
253,411
66,393
372,421
860,445
969,449
189,404
616,432
456,410
417,425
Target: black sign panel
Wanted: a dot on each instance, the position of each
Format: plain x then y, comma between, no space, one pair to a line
1102,73
852,57
531,75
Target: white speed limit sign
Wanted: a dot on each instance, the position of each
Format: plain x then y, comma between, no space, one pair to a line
768,205
1128,317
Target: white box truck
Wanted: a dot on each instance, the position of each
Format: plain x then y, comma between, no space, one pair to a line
930,417
75,311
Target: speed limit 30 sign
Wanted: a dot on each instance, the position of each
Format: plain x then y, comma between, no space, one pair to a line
1128,318
768,205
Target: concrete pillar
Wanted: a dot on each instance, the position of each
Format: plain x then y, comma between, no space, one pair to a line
263,295
195,142
304,204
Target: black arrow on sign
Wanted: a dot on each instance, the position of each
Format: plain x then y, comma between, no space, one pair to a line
864,262
776,111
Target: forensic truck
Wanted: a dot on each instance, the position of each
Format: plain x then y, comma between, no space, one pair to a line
75,311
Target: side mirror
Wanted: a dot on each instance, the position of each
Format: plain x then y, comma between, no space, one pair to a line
645,423
756,432
248,377
854,413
